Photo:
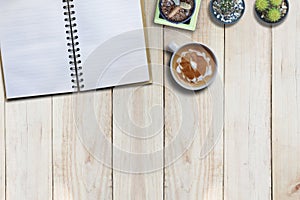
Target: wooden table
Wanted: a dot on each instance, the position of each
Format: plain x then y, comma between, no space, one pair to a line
256,158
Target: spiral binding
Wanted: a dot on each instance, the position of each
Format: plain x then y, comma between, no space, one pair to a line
73,44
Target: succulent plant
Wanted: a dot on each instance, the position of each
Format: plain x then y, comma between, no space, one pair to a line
271,11
274,15
262,5
226,5
227,11
276,2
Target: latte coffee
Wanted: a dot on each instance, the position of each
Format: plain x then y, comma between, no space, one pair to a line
194,65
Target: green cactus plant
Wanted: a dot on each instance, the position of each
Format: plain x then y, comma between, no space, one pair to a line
226,6
271,11
261,5
276,2
274,15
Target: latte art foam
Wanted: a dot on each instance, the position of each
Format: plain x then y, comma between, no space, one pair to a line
194,66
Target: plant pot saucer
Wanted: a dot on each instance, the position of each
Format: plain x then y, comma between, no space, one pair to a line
263,18
227,19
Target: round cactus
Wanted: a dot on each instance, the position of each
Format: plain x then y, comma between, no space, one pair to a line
261,5
274,15
276,2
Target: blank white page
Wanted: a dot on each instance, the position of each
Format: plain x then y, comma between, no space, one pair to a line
33,47
111,42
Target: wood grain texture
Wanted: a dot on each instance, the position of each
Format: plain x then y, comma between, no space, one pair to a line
136,118
2,137
78,174
286,107
193,176
28,139
43,155
247,110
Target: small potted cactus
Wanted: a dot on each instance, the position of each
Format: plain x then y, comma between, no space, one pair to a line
227,11
272,11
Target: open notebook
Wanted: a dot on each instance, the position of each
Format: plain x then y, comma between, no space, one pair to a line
60,46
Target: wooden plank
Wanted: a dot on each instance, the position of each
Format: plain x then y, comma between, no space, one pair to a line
135,178
193,176
78,172
144,106
247,110
286,109
2,136
28,149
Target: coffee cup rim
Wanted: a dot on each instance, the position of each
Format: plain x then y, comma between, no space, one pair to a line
208,83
